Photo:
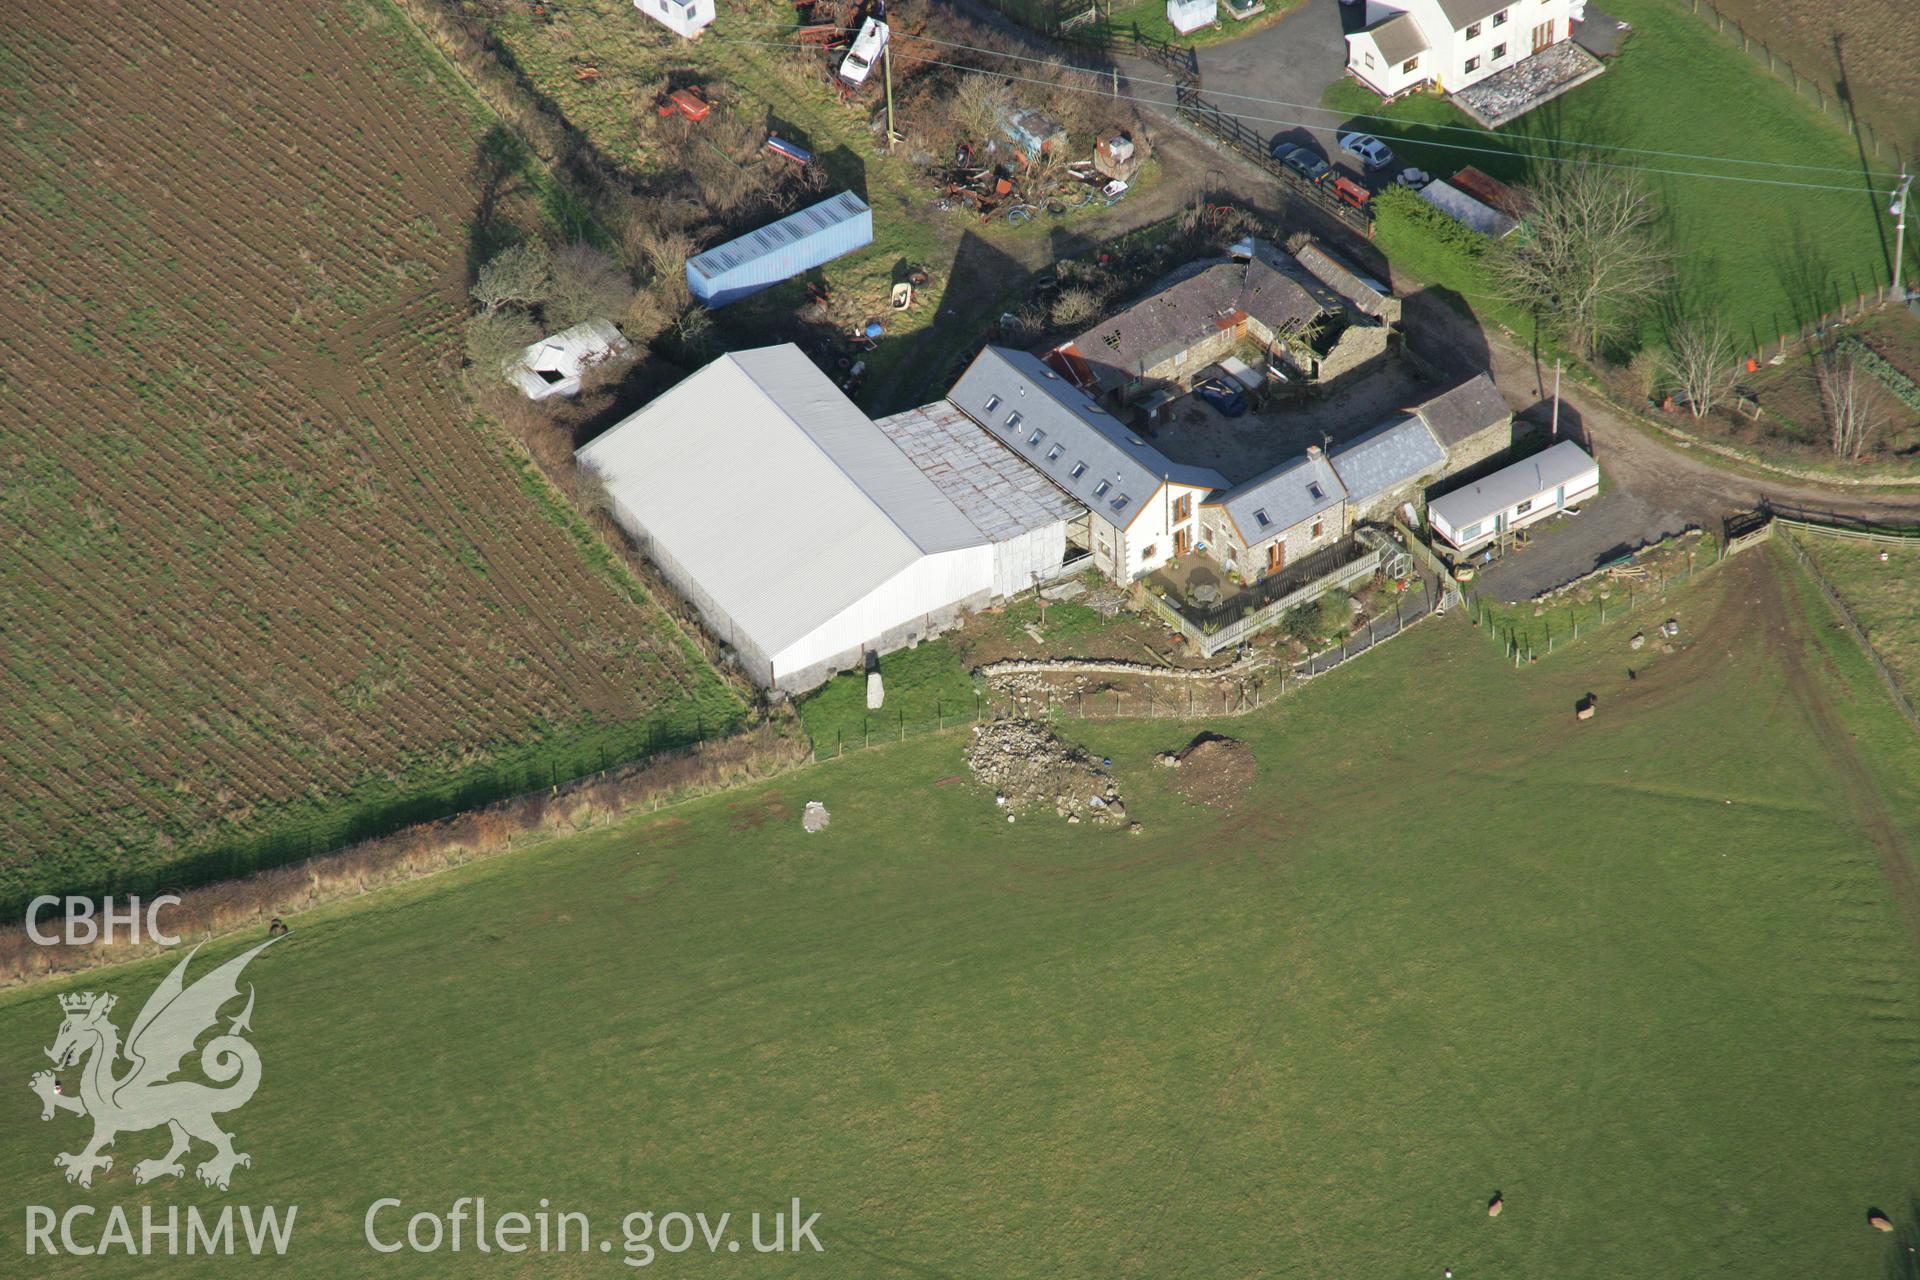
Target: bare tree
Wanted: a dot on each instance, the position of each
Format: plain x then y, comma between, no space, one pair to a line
1854,414
496,338
1699,361
665,253
1074,307
586,285
1589,258
520,275
979,103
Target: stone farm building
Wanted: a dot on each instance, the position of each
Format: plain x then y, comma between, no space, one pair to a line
804,533
807,535
1306,325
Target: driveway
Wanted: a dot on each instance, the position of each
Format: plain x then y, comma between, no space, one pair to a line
1293,61
1570,547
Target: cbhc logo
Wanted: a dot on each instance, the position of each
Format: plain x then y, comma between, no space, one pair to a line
84,925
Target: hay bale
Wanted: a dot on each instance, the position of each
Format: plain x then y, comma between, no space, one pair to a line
1495,1205
1879,1222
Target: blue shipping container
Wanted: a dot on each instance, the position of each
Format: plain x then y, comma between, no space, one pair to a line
781,250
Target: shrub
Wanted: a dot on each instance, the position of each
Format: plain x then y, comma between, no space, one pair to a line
1402,208
496,338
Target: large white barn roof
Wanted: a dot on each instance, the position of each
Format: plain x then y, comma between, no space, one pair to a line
778,496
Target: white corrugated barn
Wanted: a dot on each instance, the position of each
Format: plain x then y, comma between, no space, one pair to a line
799,529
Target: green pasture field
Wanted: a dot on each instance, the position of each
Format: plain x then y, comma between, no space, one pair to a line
1644,975
1767,258
1884,596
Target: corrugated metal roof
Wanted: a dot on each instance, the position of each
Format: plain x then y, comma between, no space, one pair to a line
1463,208
1000,493
775,236
1030,409
1270,504
1390,454
1464,411
781,499
1509,486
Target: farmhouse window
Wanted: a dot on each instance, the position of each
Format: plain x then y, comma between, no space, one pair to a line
993,402
1410,66
1369,58
1036,438
1100,490
1500,18
1524,507
1206,534
1262,518
1054,453
1315,492
1182,507
1149,554
1079,469
1499,52
1473,65
1319,528
1473,31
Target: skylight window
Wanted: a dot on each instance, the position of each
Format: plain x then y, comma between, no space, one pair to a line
1034,439
1120,503
1316,492
1053,454
1100,490
1013,421
1262,517
993,402
1079,469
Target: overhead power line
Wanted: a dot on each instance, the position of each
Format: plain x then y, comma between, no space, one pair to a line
1385,137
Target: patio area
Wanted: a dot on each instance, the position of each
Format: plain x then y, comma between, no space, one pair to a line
1198,586
1503,98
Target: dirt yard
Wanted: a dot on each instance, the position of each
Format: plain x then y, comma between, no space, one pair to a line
1242,448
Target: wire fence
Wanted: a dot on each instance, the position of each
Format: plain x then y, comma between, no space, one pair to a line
1824,95
1790,540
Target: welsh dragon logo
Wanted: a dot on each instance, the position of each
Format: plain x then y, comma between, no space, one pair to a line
145,1095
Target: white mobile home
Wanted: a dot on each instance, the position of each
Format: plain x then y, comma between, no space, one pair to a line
1515,497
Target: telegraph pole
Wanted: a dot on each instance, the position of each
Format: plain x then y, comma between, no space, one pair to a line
1899,210
886,65
1555,433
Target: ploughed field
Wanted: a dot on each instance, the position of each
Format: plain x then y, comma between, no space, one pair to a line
1654,977
262,571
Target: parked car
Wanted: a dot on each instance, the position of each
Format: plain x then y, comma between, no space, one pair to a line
1302,161
1226,399
1367,149
867,47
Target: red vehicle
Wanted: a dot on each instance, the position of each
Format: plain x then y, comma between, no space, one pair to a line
1350,191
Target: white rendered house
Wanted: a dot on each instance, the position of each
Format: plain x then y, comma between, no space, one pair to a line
683,17
1452,43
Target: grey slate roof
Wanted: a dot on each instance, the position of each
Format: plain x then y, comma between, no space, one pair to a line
1202,299
1390,454
1270,504
1028,399
1462,12
1398,38
1507,487
1465,411
1002,495
1368,295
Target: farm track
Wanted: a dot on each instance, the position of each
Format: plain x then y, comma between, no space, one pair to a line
255,551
